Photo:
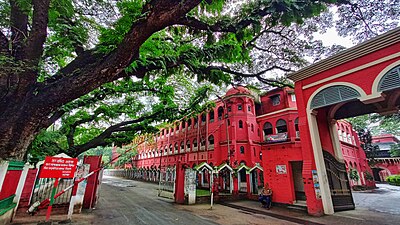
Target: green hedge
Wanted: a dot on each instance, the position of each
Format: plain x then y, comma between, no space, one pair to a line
393,180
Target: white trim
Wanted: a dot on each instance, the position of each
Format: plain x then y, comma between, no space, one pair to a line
320,164
347,72
227,166
206,165
276,112
378,78
335,141
357,88
257,166
20,187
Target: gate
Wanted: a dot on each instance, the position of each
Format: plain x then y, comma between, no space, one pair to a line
167,182
338,183
44,186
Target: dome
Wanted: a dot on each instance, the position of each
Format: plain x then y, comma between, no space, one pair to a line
237,90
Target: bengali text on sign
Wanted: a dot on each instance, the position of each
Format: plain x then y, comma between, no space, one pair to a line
55,167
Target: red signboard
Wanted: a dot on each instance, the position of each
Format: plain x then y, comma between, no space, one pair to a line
55,167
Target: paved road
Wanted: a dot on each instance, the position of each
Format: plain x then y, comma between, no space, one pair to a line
131,202
125,202
384,199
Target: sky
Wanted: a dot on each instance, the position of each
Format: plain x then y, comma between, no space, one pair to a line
331,37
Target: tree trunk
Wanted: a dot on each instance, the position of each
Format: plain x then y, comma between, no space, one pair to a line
18,131
26,105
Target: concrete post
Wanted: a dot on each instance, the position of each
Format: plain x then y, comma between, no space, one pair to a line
3,172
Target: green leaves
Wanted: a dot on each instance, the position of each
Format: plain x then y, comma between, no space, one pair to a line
110,37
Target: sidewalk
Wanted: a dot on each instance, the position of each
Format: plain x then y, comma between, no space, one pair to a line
238,212
293,216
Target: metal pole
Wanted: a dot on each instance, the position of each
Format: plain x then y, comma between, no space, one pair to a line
212,189
53,192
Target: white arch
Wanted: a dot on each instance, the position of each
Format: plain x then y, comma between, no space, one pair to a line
317,147
355,87
374,90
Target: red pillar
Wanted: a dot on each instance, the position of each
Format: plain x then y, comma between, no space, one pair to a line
90,197
314,205
180,183
235,185
248,185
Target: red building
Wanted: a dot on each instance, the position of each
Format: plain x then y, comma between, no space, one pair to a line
384,164
301,158
264,142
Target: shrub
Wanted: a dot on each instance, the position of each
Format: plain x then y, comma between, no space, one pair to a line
354,175
393,180
368,176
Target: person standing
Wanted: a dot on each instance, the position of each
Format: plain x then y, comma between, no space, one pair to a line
266,197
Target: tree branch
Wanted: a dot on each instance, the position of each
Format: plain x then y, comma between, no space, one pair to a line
4,44
119,127
38,34
19,28
272,82
90,70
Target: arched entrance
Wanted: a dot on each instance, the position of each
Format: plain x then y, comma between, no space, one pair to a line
360,80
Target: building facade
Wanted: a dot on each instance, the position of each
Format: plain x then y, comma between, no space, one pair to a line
383,164
256,138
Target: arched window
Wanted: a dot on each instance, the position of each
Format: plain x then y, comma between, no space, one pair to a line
211,116
182,146
281,126
296,127
211,140
332,95
239,107
195,122
220,113
202,143
166,150
195,143
340,135
268,129
203,118
176,148
189,123
249,108
240,124
252,128
183,123
241,149
188,145
170,149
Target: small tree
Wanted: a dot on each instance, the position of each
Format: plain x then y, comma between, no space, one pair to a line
354,175
368,176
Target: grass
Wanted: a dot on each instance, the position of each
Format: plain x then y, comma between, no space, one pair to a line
202,192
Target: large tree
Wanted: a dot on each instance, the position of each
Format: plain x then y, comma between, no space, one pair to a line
117,112
53,52
56,55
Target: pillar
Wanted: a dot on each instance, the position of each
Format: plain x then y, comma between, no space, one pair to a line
180,183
